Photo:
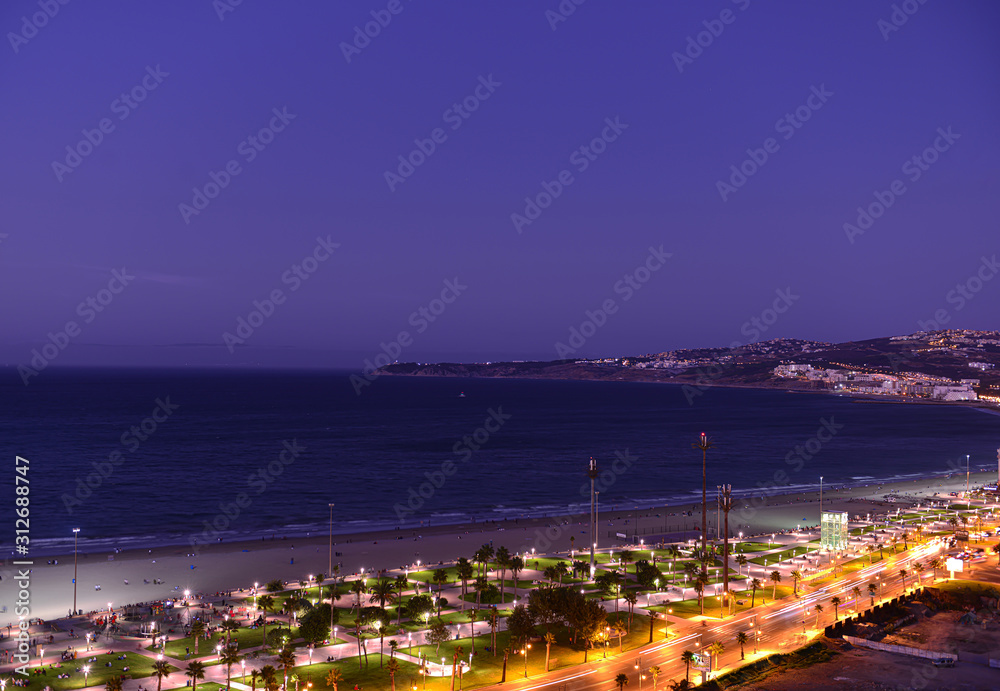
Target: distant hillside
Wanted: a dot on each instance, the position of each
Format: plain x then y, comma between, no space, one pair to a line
943,354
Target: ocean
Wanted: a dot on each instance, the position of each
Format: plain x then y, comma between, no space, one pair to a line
146,457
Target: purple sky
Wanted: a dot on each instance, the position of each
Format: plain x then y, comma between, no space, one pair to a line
324,175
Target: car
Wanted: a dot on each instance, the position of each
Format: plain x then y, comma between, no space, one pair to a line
944,662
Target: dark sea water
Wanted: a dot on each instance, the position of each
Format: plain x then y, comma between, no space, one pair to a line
221,448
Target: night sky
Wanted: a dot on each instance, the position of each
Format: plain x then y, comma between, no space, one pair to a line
205,150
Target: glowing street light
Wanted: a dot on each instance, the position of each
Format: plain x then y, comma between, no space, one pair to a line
524,651
86,671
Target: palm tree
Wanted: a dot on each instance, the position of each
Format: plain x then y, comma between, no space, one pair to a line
473,615
286,659
618,629
687,657
229,625
631,599
464,570
654,672
195,670
621,681
455,664
197,632
717,648
269,678
549,640
562,569
754,584
625,558
726,504
741,561
113,684
872,589
742,639
919,568
503,563
266,603
551,573
935,564
160,669
700,581
856,592
673,552
480,585
229,657
835,601
254,674
358,588
483,556
440,577
775,579
392,668
382,591
334,678
902,576
819,610
516,567
796,577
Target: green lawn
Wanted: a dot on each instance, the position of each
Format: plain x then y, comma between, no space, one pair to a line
772,559
244,637
139,666
487,669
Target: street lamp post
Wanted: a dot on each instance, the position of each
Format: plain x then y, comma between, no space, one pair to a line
75,534
966,478
329,570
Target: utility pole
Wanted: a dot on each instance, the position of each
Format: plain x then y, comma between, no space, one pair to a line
725,505
592,474
76,532
704,444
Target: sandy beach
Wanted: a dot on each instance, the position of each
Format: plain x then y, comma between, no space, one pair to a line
228,566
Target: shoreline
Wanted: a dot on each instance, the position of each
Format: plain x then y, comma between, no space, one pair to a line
231,565
525,516
783,387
